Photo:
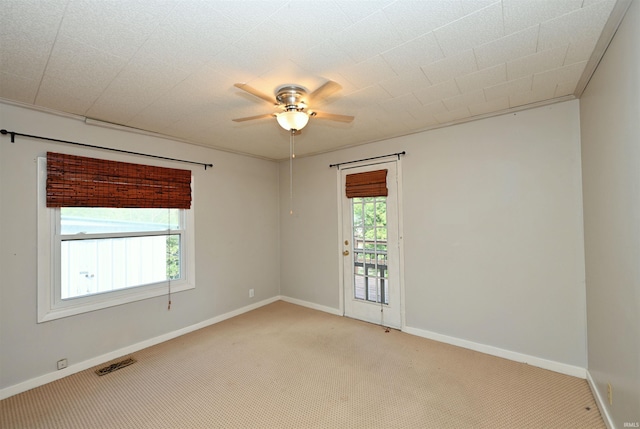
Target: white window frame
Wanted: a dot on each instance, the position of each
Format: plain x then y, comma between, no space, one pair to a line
51,306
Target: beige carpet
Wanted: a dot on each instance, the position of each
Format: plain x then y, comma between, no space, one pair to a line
285,366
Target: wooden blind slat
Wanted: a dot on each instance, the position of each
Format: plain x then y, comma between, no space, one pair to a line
367,184
77,181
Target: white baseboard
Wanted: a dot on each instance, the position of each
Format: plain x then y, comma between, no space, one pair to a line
312,305
494,351
602,405
562,368
81,366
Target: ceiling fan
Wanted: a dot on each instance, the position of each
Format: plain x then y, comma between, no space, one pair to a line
293,100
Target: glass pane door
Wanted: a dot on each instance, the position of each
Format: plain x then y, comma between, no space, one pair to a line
369,245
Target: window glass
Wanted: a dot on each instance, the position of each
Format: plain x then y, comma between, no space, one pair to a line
91,220
102,265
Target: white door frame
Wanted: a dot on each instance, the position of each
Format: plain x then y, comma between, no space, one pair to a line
340,245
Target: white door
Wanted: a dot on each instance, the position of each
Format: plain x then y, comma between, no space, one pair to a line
370,249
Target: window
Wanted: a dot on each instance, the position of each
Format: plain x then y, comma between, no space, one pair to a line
96,257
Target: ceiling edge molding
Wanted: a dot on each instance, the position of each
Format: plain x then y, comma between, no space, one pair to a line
111,125
448,124
41,109
609,30
114,126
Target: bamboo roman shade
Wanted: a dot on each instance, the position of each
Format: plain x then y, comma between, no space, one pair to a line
77,181
367,184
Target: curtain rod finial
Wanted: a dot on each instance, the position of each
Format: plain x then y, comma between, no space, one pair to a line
13,135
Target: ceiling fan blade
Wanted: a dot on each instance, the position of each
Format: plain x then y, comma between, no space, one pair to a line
251,118
251,90
333,117
325,90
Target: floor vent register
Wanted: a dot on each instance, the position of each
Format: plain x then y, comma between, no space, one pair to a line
115,366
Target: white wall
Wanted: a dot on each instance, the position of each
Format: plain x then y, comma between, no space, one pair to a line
309,237
237,235
493,237
610,125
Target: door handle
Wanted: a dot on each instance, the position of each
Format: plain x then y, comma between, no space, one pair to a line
345,253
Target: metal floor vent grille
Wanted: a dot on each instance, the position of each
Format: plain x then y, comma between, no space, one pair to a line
115,366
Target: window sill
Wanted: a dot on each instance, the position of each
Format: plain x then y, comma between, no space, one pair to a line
72,307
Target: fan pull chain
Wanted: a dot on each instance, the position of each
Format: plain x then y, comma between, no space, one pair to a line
291,156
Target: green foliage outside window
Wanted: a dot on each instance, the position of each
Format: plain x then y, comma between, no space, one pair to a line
173,257
370,218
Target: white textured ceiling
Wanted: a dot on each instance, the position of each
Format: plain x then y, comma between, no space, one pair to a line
169,66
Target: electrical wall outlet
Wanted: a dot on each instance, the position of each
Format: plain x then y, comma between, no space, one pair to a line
62,363
610,393
251,293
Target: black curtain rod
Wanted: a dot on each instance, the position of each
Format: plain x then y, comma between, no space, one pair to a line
13,135
368,159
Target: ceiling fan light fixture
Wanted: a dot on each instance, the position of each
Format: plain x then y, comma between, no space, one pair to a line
293,119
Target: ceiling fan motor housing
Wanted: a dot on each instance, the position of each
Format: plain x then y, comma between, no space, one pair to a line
291,97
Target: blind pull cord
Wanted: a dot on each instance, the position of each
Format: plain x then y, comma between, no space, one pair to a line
291,156
169,258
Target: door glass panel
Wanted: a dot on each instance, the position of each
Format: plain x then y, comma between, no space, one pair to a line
369,216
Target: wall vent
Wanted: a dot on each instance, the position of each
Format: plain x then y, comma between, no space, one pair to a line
115,366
